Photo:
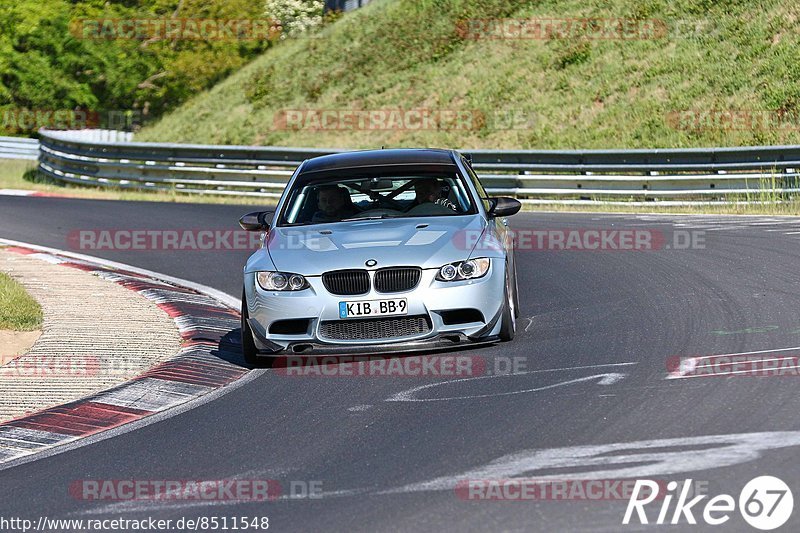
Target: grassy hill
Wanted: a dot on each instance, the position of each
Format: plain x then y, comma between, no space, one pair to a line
574,92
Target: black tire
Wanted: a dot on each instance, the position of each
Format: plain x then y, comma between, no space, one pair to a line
508,325
252,356
249,349
516,291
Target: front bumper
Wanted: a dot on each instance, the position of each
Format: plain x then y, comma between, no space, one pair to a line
430,299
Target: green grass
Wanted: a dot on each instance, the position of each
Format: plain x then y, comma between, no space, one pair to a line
12,172
578,93
18,311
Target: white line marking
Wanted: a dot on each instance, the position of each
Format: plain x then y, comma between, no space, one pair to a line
16,192
721,374
755,361
689,364
747,353
638,459
698,226
410,394
669,216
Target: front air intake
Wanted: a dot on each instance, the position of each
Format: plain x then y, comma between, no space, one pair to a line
375,328
346,282
398,279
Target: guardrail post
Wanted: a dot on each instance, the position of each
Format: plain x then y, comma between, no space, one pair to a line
790,180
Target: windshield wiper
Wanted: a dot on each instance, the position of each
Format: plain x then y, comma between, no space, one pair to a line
376,217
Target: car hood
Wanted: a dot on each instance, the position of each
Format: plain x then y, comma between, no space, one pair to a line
428,242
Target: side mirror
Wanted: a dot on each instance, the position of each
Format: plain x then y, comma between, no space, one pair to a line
257,221
504,207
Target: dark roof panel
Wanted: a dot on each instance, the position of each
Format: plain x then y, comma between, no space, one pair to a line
376,158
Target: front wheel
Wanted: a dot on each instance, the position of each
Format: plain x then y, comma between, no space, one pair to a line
508,324
516,291
249,349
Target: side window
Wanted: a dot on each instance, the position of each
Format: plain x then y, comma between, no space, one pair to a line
296,201
478,186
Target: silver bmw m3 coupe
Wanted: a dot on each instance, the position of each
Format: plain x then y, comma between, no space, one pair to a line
380,251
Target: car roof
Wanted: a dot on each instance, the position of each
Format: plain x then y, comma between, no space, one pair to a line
378,158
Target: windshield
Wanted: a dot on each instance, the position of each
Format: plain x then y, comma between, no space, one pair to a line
376,195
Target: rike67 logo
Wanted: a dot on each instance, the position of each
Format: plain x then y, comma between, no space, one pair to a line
765,503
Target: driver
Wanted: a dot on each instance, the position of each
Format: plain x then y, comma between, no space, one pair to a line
334,204
428,200
427,191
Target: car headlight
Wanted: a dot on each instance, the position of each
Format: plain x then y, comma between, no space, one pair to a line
281,281
472,269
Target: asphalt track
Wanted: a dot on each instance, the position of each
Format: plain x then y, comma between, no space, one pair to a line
596,332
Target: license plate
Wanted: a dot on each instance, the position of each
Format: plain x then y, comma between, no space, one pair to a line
396,306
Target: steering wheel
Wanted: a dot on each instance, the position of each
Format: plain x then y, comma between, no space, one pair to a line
391,202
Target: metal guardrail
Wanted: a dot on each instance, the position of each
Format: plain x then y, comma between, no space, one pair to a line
744,175
19,148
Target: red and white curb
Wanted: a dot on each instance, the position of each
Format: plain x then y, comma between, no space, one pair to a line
209,360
